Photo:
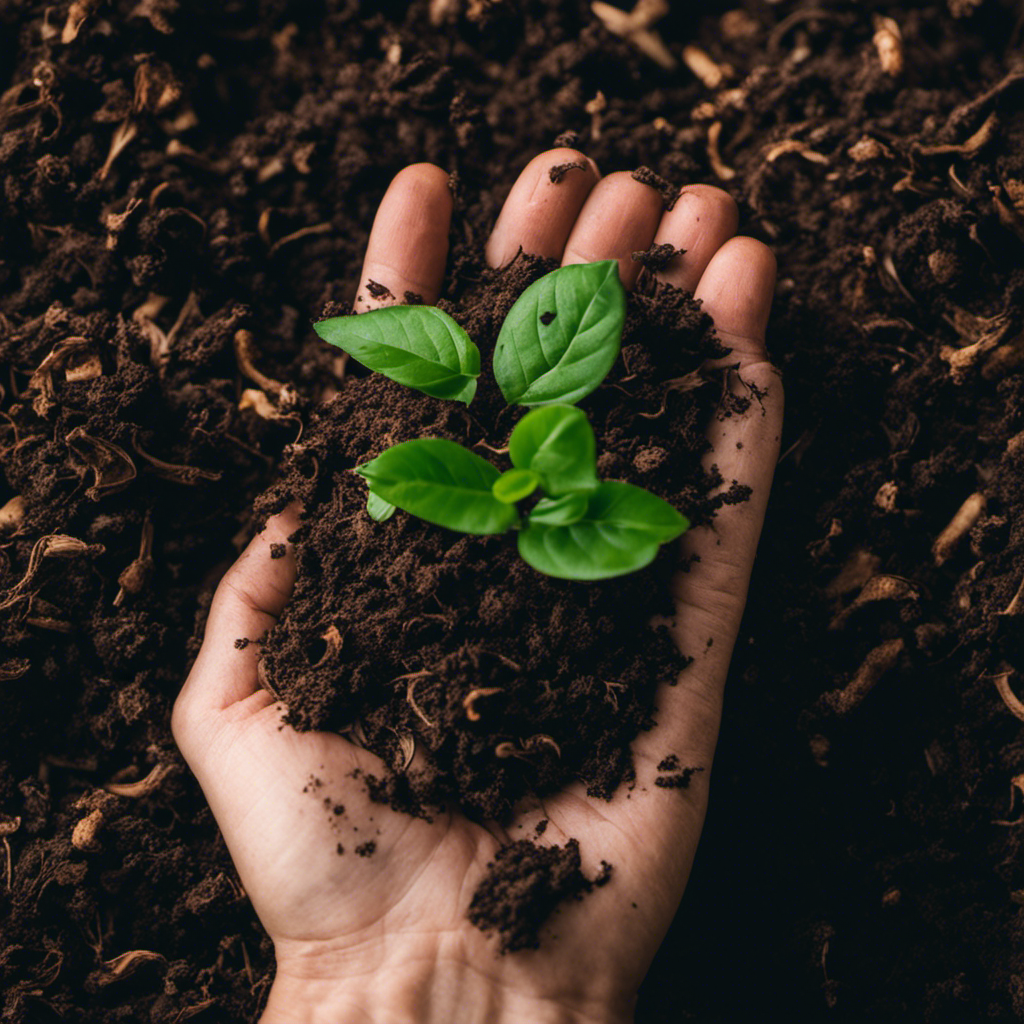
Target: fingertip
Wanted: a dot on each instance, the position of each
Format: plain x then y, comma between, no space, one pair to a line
542,206
702,220
408,245
737,289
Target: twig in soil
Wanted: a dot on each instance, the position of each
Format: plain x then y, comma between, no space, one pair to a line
636,27
123,134
701,64
959,526
469,701
794,146
54,545
263,678
77,13
188,475
124,965
1013,704
414,678
877,663
316,229
112,467
968,149
720,168
1014,607
878,588
136,575
596,108
245,350
142,787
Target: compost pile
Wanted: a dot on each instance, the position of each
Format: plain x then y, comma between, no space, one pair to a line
187,186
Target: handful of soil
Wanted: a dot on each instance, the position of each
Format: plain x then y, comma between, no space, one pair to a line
405,636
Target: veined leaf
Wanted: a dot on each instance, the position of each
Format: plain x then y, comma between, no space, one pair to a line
378,508
415,345
556,442
441,482
562,511
541,358
620,532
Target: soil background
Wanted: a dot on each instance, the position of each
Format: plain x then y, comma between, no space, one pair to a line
174,172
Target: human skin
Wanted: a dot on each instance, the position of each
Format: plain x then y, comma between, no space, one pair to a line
385,938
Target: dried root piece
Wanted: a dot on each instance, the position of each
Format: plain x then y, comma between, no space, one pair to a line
77,14
1010,699
596,108
959,526
54,545
636,27
63,353
701,64
9,824
878,662
135,577
1009,215
968,149
469,702
794,146
718,165
878,588
144,786
15,668
112,467
123,134
188,475
124,966
245,351
1016,602
315,229
888,40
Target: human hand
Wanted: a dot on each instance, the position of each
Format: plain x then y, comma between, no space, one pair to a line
386,938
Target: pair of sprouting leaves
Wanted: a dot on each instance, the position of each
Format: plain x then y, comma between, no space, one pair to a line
556,345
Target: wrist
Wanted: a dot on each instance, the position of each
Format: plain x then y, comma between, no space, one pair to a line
424,992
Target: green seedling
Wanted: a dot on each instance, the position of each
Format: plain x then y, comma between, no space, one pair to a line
558,342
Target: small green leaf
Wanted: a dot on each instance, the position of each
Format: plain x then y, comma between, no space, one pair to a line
562,511
415,345
441,482
539,360
515,485
378,508
621,531
556,442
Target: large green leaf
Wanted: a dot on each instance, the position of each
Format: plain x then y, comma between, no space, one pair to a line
621,531
557,443
415,345
562,336
441,482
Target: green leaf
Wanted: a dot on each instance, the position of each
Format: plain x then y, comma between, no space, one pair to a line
441,482
539,359
621,531
557,443
378,508
515,485
415,345
562,511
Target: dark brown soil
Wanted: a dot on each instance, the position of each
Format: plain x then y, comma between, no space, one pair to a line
174,174
506,681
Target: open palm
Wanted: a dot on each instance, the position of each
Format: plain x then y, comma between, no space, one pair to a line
385,937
